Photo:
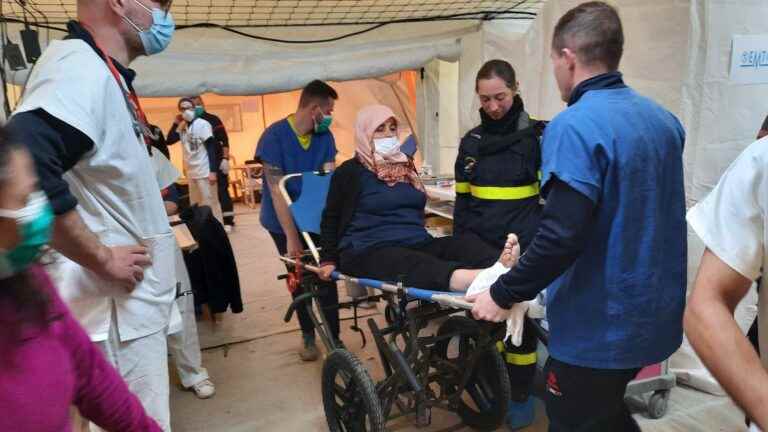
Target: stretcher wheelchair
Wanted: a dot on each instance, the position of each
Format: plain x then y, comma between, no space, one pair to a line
457,369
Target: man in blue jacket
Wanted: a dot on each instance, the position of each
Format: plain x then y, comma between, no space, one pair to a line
611,245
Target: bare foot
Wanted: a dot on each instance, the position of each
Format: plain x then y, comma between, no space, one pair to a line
511,252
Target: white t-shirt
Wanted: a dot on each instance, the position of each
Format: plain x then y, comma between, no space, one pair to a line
193,139
732,219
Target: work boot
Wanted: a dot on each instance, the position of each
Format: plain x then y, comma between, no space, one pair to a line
520,414
309,352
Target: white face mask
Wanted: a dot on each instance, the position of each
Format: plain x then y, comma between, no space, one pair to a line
386,145
188,115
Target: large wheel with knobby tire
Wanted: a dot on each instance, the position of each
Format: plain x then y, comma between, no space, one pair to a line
484,401
349,395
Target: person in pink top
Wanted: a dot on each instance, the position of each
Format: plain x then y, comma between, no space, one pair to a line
48,362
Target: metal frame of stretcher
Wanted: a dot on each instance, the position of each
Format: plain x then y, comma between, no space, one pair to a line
457,369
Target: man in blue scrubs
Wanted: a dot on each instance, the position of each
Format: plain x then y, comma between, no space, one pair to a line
611,245
299,143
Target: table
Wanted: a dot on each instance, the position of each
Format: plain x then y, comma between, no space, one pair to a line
441,200
250,176
441,193
184,237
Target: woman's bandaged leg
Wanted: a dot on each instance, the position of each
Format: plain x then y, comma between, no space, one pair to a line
516,320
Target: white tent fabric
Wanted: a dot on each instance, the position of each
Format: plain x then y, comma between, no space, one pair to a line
721,119
656,34
654,62
215,61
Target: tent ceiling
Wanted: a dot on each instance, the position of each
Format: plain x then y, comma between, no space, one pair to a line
274,13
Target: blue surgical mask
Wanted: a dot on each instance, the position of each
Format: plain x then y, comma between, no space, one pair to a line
35,222
158,36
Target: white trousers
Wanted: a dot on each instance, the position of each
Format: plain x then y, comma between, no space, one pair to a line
143,364
202,192
184,346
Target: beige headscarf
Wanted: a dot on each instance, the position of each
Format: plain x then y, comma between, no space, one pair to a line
390,168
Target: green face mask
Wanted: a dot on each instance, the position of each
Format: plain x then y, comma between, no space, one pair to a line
35,222
323,125
199,111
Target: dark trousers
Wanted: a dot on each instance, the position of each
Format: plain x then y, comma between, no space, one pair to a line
328,298
582,399
427,265
227,209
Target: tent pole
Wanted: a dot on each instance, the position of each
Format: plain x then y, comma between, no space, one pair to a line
263,115
405,112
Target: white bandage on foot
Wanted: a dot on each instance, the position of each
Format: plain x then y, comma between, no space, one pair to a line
486,278
516,320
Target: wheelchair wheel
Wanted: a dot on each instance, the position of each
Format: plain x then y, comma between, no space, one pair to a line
484,401
389,314
349,396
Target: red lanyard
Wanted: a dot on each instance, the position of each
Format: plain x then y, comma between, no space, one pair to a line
140,119
129,93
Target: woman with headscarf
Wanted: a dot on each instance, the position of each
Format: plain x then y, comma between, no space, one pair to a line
373,222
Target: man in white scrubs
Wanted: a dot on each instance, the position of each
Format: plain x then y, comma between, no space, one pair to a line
82,121
732,222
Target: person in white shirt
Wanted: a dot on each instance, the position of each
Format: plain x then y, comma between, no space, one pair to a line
184,345
200,150
732,221
82,121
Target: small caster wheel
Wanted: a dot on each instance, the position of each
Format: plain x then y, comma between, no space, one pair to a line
423,416
389,315
657,404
